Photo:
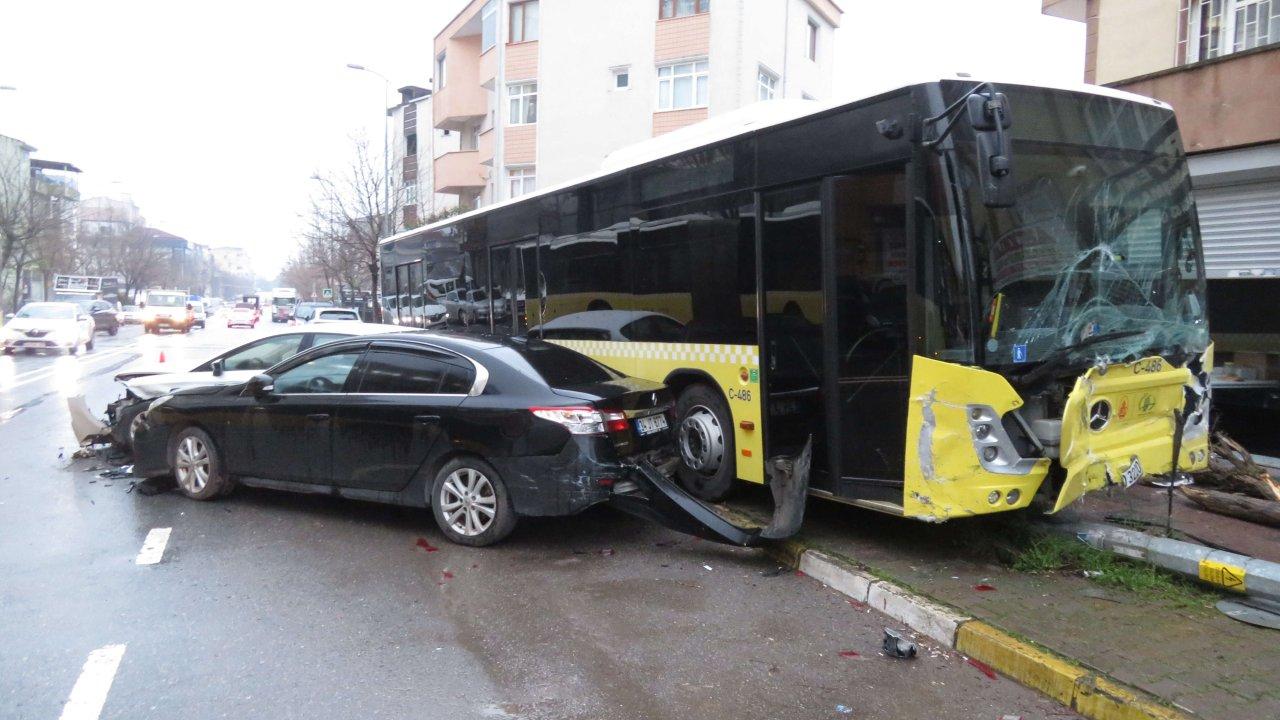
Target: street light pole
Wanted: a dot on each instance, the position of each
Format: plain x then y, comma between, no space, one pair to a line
386,148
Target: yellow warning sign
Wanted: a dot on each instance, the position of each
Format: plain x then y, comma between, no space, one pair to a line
1223,575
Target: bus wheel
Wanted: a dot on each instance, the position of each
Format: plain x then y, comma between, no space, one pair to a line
705,435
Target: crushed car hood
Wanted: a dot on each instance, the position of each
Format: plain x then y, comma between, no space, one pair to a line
153,386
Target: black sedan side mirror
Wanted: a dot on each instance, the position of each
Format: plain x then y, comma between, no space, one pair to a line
217,367
260,385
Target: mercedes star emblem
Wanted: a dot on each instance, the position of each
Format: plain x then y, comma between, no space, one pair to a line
1099,415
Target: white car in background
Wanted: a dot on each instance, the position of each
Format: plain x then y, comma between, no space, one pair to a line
242,315
49,326
612,325
142,385
334,315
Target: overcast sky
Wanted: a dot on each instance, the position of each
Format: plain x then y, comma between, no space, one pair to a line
213,116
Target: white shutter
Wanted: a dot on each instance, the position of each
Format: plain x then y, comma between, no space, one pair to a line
1240,228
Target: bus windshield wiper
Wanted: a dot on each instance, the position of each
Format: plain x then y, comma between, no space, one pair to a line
1055,359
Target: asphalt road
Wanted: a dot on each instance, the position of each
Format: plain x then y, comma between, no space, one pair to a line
271,605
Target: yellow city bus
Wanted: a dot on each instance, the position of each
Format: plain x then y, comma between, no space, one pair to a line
962,297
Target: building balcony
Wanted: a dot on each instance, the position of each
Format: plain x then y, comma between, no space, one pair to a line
459,172
458,105
1221,103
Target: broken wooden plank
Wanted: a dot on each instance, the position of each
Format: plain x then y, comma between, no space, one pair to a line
1265,512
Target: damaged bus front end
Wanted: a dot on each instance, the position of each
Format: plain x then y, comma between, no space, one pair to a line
1090,355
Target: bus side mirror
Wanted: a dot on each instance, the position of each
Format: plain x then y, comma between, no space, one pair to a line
217,367
990,118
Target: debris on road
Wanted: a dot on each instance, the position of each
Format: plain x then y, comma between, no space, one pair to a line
983,587
850,654
125,471
897,645
152,486
425,545
707,568
775,572
606,551
844,709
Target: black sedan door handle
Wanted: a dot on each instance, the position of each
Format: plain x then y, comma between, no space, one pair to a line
426,419
318,417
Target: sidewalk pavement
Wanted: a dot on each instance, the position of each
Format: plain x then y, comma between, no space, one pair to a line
1194,659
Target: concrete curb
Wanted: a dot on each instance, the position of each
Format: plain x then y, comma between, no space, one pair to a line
1087,692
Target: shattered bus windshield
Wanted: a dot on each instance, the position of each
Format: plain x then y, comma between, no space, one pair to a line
1099,257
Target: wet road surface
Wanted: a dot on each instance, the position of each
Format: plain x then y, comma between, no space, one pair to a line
274,605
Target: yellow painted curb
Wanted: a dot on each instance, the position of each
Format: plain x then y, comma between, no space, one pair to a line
1085,692
1102,699
1020,661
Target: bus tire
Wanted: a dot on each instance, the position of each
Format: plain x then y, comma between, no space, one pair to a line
704,434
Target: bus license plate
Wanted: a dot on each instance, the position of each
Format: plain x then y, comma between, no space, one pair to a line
650,425
1133,473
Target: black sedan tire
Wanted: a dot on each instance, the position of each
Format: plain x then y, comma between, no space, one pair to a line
113,330
197,465
471,504
705,437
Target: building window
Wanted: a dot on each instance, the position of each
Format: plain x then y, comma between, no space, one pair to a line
812,48
683,85
1219,27
524,21
409,194
768,84
440,71
524,103
411,144
521,181
488,25
681,8
621,78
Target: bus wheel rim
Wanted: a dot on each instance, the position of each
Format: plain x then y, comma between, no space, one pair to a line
702,440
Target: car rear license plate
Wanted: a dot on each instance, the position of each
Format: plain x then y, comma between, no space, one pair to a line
1133,473
650,425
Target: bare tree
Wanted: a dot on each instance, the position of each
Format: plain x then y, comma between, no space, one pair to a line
33,226
134,256
349,214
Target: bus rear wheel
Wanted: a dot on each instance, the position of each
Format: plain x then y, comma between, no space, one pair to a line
705,436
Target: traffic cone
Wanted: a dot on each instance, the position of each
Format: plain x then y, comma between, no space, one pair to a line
161,356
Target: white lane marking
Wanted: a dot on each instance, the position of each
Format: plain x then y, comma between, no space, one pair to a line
91,688
153,547
46,373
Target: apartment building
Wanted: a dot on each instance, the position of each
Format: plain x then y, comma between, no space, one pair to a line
540,91
1217,62
414,144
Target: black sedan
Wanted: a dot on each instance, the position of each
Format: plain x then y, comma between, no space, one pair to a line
481,429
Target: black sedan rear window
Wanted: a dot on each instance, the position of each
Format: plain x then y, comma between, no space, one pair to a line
564,368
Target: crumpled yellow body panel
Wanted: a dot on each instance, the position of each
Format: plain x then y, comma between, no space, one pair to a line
1142,397
943,477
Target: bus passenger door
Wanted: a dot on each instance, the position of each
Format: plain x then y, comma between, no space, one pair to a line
868,366
793,345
